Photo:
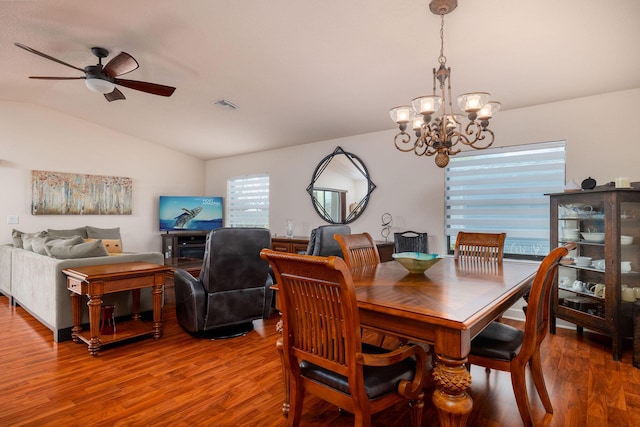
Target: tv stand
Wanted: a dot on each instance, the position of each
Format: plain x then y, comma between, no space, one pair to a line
184,244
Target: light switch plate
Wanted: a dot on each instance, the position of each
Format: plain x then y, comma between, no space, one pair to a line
13,219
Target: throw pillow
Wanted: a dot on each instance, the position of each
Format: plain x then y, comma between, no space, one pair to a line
27,239
16,235
81,250
113,246
81,231
103,233
60,241
37,244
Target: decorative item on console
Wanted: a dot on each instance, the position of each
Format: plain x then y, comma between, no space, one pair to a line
386,226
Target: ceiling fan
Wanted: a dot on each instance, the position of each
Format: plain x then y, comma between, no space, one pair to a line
103,79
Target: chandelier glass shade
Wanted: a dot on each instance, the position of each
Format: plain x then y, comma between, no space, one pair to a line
438,129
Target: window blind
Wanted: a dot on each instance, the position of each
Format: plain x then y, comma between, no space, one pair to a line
248,201
503,190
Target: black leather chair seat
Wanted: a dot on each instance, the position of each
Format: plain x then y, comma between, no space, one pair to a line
498,341
378,380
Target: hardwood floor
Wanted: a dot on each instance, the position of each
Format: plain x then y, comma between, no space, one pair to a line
184,381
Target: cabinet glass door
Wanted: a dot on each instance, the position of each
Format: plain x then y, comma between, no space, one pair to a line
581,278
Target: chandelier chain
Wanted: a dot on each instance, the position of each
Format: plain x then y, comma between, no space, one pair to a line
442,59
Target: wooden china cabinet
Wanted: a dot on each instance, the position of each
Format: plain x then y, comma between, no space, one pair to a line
615,260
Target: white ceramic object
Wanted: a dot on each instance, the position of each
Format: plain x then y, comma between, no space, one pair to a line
583,261
625,266
628,295
593,237
626,240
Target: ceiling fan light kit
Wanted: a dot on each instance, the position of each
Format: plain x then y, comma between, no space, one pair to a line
103,79
439,136
99,85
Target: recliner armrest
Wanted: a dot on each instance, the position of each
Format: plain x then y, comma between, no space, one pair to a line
190,300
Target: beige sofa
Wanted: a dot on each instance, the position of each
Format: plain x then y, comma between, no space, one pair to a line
36,283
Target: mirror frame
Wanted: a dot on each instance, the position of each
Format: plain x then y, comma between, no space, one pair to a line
362,204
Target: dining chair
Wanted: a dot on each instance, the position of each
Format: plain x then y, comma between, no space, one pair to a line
358,250
410,241
322,351
479,246
321,241
505,348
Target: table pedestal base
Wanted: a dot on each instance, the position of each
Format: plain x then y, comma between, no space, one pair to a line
450,396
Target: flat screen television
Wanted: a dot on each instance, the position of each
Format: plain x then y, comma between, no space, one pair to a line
190,213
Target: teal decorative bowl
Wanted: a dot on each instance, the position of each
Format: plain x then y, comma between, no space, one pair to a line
416,262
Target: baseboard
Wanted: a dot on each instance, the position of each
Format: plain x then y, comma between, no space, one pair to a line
516,313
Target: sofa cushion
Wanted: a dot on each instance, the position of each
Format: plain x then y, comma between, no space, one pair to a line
81,250
27,239
103,233
113,246
80,231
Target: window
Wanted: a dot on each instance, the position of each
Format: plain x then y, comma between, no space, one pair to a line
248,201
503,190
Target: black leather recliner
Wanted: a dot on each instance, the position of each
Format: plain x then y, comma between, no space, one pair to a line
322,243
234,287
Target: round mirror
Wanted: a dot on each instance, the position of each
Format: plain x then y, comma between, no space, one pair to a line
340,187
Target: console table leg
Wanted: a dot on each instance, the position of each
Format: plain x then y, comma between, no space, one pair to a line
77,316
156,295
450,396
135,295
95,302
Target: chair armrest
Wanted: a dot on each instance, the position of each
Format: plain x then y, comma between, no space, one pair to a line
190,300
410,389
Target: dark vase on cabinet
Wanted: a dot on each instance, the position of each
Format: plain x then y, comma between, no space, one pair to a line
605,224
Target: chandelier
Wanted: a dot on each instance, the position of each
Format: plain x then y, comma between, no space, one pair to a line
441,135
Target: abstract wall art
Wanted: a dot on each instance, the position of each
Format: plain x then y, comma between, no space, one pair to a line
59,193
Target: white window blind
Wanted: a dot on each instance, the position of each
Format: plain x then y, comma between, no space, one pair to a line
248,201
503,190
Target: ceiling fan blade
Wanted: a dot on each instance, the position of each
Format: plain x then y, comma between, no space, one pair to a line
152,88
121,64
114,96
44,55
57,78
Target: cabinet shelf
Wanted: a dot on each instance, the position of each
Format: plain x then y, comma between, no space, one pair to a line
181,245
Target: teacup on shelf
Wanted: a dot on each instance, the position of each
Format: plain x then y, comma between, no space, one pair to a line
583,261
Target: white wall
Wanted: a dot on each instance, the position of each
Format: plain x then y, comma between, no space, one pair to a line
601,143
38,138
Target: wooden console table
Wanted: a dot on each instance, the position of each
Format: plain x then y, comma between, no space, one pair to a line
298,244
98,280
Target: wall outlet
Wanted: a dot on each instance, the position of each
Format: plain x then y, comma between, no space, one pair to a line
13,219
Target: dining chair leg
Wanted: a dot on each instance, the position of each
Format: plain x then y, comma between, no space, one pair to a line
518,380
538,380
417,407
295,410
361,418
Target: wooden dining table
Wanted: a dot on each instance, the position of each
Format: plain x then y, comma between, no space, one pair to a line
447,306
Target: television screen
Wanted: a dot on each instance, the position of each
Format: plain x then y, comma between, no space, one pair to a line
186,213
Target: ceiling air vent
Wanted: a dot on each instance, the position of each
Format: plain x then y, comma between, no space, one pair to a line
223,103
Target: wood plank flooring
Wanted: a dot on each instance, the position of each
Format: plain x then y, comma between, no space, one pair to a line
184,381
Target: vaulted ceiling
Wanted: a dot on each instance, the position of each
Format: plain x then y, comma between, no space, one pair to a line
308,70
